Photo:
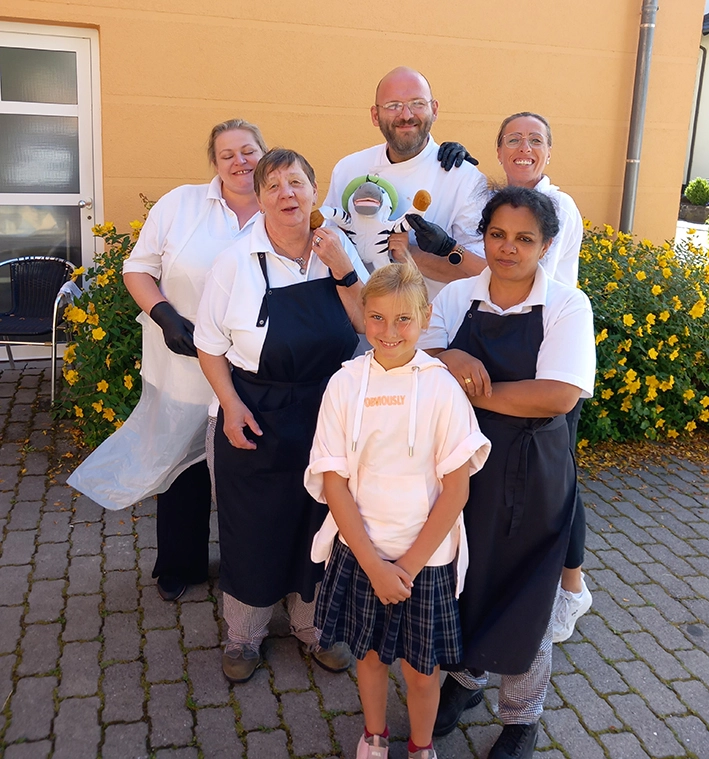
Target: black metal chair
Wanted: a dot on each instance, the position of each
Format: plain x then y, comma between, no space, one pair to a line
38,285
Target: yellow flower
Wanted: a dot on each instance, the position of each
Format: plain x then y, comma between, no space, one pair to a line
103,229
75,314
601,336
630,375
606,394
136,226
137,364
697,310
78,411
109,414
626,405
102,280
656,290
70,353
676,302
652,353
651,381
667,272
651,394
610,373
98,333
672,433
672,339
611,286
628,320
660,423
102,386
618,273
622,361
650,318
608,229
659,409
92,319
633,387
118,424
71,376
704,416
128,381
97,407
690,426
91,308
641,275
704,401
587,224
108,362
688,395
668,384
77,273
581,444
664,316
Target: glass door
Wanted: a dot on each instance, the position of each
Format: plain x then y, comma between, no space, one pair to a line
47,142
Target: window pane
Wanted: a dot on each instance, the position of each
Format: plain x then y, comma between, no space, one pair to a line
38,231
39,153
38,76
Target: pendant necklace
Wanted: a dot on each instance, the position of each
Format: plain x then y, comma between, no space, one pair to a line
301,262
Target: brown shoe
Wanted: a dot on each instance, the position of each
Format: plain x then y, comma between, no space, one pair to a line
337,658
239,664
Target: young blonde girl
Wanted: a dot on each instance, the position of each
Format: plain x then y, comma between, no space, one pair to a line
395,445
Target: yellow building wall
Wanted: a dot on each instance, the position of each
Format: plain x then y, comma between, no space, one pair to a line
306,73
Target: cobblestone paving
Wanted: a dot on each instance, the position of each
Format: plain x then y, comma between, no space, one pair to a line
94,664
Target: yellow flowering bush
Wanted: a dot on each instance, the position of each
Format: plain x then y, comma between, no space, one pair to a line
102,360
651,322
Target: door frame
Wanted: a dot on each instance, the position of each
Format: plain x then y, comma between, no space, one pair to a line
89,247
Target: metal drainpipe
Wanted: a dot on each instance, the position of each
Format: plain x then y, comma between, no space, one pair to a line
637,114
697,106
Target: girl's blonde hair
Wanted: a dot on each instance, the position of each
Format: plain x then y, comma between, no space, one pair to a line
403,280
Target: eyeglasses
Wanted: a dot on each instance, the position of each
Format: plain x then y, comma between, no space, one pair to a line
514,140
415,106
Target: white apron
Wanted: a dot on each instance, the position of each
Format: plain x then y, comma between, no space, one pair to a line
166,432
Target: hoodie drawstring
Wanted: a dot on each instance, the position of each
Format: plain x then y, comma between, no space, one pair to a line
360,400
412,408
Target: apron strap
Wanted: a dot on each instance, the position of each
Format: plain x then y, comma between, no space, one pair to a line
263,313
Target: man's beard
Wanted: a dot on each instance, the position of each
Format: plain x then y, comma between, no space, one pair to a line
410,143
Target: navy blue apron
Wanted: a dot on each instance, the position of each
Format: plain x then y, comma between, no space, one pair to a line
520,508
267,519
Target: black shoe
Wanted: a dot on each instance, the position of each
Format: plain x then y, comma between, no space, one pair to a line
170,587
455,699
515,742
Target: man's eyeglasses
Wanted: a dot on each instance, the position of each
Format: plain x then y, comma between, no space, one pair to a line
515,139
415,106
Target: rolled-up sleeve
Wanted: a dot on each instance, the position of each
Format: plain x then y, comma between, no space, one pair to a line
210,333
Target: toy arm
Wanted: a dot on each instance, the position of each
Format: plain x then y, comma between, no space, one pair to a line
422,200
337,215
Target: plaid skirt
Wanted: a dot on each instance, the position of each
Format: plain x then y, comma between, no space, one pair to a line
424,630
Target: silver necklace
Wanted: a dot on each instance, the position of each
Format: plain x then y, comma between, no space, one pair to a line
301,262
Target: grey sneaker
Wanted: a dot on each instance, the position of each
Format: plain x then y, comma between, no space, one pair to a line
423,753
336,659
239,664
374,747
568,607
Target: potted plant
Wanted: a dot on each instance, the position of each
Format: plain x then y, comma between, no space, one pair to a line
693,205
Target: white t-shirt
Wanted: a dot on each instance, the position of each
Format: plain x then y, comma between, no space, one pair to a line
457,196
194,217
561,261
394,435
228,311
568,350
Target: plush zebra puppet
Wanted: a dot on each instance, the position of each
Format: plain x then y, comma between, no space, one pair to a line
367,205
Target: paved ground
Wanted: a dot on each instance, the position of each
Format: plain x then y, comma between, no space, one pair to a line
93,664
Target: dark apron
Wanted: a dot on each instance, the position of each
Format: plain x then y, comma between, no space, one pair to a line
520,508
267,519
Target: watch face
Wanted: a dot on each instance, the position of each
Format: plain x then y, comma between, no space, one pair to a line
454,257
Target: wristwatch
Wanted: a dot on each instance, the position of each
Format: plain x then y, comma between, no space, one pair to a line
348,280
455,257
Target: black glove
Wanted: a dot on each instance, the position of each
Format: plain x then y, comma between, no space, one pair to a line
452,154
430,237
176,330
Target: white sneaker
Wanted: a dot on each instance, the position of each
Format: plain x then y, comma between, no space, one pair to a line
423,753
568,607
376,747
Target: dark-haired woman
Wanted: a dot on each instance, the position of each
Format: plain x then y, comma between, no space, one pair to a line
521,344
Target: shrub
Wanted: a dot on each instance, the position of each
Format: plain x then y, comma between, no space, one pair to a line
651,323
102,358
697,192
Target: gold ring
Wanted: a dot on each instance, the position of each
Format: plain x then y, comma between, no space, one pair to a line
468,380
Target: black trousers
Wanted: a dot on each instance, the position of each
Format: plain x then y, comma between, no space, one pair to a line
577,540
183,526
